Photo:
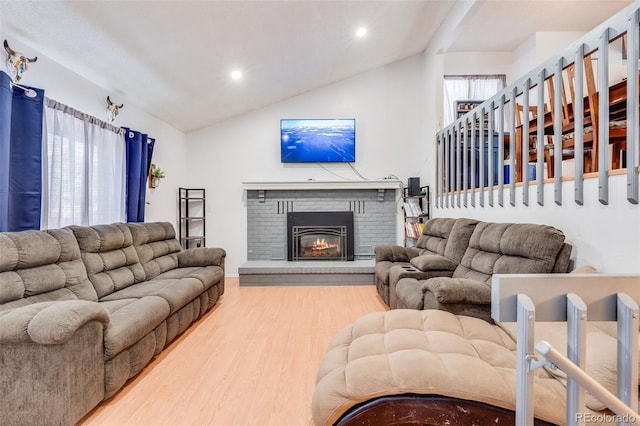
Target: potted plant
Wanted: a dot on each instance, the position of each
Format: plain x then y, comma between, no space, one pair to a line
156,174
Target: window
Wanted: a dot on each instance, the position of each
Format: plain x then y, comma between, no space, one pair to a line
468,88
84,169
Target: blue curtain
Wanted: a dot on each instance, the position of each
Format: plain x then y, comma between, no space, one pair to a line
20,157
139,152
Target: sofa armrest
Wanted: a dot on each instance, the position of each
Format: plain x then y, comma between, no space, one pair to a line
391,253
458,290
49,323
201,256
433,262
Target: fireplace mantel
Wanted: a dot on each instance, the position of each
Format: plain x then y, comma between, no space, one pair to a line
320,184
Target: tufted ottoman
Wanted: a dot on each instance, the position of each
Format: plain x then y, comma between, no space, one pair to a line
427,354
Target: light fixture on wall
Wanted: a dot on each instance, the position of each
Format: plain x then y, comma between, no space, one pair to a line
112,110
16,62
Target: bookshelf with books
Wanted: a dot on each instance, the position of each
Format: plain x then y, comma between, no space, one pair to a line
463,107
416,213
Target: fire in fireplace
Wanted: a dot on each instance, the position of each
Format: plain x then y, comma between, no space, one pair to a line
323,242
320,236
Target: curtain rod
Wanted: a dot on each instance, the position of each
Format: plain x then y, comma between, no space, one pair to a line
502,77
52,103
29,92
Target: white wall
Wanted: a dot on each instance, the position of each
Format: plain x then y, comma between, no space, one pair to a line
461,63
539,48
606,237
433,66
392,135
71,89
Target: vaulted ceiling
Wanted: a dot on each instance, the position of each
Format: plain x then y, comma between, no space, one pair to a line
174,59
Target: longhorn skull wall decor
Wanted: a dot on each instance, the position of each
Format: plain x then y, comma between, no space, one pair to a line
16,62
112,109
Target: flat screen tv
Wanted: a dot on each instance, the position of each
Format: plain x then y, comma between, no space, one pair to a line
322,140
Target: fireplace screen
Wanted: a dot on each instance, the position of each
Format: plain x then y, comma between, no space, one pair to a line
320,235
312,242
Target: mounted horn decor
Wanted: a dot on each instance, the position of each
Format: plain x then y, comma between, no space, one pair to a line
16,62
112,109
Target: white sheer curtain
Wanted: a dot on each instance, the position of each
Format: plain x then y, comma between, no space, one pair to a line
468,88
84,169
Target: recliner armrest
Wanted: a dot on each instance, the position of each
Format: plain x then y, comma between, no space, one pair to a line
201,256
433,262
458,290
49,323
392,253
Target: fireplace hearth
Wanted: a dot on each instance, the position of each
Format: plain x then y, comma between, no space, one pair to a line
320,236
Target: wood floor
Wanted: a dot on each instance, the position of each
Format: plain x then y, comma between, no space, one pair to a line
252,360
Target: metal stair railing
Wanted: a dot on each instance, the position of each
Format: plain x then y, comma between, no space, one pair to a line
576,299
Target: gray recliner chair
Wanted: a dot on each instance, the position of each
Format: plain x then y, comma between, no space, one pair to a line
437,253
494,248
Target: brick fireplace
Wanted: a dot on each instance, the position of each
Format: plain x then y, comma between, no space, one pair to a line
371,204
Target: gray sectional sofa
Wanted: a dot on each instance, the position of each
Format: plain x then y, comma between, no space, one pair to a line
456,276
84,309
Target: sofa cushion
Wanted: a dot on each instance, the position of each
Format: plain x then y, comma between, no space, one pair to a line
131,320
108,254
458,240
27,249
156,246
40,266
425,352
207,275
529,248
434,235
176,292
507,248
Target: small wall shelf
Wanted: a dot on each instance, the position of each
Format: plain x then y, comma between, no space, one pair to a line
191,211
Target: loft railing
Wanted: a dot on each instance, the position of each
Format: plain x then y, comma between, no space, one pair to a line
576,299
580,106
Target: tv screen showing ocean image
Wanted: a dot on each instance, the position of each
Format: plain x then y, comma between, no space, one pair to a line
318,140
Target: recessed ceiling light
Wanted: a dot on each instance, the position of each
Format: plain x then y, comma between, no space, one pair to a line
236,75
361,32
